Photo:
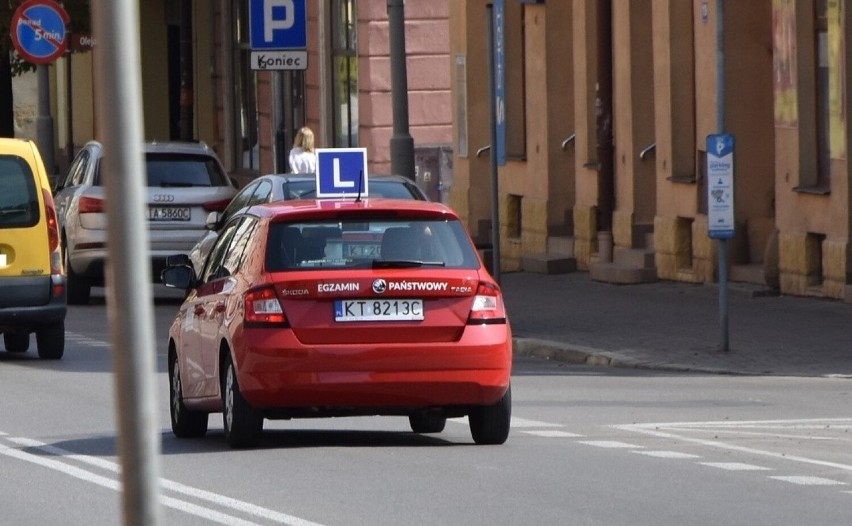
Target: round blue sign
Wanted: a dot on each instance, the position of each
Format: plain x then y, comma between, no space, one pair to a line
38,31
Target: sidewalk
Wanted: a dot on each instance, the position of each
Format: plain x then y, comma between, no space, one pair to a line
676,326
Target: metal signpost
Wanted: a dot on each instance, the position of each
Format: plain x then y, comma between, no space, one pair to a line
720,212
130,306
278,32
341,172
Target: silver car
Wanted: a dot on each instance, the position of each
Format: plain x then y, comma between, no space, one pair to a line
186,181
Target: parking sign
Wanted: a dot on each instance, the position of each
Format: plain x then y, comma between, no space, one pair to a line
720,186
278,24
341,172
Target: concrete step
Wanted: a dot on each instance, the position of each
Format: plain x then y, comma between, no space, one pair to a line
750,273
560,245
634,257
621,274
548,263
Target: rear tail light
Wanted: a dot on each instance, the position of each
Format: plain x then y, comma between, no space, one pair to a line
487,305
52,234
91,205
263,308
216,206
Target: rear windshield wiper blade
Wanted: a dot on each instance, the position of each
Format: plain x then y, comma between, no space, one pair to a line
405,263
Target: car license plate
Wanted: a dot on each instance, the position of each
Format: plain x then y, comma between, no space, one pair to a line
169,213
378,310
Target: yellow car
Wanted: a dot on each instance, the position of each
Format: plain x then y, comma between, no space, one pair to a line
32,279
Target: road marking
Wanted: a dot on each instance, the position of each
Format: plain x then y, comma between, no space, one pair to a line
810,481
667,454
184,506
552,433
735,466
657,430
609,444
516,423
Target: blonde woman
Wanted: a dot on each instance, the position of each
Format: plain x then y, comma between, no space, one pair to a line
303,160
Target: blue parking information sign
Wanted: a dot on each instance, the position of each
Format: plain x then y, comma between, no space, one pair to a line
278,24
720,186
341,172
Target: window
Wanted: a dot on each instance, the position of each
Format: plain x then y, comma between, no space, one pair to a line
344,68
229,252
18,198
369,243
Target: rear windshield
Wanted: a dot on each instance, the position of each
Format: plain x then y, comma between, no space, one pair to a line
371,244
18,197
179,170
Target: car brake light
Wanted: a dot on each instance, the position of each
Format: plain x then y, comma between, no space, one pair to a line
487,305
91,205
216,206
52,234
262,307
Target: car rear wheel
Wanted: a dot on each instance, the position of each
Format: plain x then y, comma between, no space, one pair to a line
185,422
16,341
50,340
427,422
243,423
490,424
78,288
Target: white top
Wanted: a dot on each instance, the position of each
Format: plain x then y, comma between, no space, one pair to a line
302,162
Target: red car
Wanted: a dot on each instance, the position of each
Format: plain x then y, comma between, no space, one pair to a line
320,308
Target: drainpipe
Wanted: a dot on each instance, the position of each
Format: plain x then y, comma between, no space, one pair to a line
603,114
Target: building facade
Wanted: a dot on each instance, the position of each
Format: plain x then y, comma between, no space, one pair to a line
608,106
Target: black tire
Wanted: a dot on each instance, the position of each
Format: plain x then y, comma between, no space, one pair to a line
427,422
185,422
16,341
490,424
243,423
50,340
78,288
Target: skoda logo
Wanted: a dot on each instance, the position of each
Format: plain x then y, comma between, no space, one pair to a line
380,286
163,198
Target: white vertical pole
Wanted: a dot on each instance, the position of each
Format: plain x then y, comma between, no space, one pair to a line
129,301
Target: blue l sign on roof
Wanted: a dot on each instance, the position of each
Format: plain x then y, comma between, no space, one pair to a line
278,24
341,172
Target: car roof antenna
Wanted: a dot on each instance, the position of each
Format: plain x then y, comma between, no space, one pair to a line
360,185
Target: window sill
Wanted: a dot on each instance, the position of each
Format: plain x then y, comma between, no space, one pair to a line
813,190
682,179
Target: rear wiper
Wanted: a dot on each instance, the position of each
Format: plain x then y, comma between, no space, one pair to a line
405,263
10,211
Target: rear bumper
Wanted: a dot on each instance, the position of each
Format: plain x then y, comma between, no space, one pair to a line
275,371
30,318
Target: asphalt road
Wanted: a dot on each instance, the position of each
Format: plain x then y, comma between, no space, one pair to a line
590,446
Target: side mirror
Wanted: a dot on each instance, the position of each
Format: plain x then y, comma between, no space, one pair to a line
177,260
179,277
213,219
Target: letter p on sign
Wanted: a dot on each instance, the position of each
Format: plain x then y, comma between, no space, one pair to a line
271,23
